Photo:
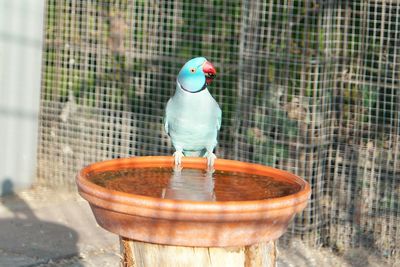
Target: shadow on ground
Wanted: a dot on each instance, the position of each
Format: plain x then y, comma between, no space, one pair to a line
25,240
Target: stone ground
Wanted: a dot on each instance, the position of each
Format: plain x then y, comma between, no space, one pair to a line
42,227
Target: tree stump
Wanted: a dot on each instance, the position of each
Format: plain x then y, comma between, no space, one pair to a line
141,254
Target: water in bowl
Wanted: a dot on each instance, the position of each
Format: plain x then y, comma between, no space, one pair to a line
194,184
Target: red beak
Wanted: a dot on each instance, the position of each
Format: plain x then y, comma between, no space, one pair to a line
209,71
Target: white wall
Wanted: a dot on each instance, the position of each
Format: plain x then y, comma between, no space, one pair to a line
21,30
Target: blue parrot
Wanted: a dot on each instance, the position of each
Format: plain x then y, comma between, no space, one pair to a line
192,116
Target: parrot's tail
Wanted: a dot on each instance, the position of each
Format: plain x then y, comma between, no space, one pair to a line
194,153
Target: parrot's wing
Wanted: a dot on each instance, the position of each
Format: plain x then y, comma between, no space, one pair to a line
219,118
166,116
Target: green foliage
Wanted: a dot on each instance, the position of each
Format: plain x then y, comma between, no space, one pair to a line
106,48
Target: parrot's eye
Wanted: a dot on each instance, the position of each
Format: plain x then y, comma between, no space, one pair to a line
192,70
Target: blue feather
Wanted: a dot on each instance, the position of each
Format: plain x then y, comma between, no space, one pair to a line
192,116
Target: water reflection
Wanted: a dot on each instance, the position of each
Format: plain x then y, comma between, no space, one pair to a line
190,184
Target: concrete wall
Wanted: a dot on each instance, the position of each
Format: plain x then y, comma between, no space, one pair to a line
21,31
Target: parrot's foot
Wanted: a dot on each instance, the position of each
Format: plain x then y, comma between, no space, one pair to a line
210,159
178,155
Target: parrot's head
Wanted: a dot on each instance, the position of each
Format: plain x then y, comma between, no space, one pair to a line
196,74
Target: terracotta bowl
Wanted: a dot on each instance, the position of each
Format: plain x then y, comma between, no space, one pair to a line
192,223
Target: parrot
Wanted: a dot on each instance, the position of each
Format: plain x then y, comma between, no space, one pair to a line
192,116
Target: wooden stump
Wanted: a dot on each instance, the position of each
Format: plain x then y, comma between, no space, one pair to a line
140,254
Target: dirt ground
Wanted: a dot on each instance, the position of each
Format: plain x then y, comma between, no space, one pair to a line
43,227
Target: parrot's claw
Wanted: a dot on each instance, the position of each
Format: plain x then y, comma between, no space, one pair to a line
210,159
178,155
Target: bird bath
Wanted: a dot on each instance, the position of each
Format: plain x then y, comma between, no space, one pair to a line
193,217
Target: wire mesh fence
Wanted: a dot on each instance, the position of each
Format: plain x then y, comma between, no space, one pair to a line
307,86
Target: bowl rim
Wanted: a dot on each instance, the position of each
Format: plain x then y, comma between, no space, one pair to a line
87,188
